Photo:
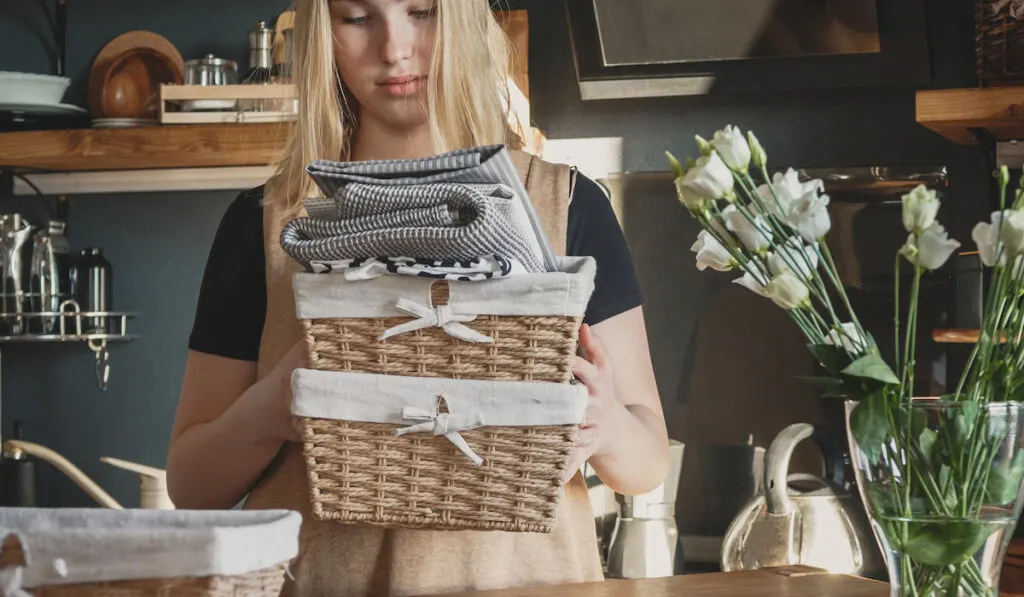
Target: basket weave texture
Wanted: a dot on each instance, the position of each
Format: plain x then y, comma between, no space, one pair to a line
999,45
362,473
261,583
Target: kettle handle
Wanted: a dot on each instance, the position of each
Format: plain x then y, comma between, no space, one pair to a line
776,466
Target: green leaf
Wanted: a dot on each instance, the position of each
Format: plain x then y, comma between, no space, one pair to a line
869,425
830,387
1004,479
964,419
946,543
832,358
872,366
928,440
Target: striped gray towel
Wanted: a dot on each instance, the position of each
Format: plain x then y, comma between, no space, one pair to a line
426,221
477,167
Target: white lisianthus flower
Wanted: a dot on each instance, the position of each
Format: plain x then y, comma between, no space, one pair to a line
785,190
920,207
693,201
1012,232
809,215
748,281
732,147
848,338
787,291
931,249
711,253
755,235
757,152
709,177
1005,234
986,237
792,253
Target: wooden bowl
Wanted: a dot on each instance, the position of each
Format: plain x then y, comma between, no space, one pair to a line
126,75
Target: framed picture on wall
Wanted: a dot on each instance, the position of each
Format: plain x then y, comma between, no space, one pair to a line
645,48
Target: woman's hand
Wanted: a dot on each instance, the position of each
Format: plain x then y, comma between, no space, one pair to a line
603,409
276,396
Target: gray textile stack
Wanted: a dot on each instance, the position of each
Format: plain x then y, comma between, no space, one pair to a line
459,205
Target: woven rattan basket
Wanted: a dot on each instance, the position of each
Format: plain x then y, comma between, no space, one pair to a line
361,472
999,43
107,553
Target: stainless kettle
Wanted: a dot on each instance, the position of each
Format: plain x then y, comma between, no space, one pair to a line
825,527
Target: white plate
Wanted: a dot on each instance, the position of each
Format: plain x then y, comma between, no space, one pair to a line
208,104
43,109
121,123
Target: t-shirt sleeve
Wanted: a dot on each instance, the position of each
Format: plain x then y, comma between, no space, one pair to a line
594,231
233,295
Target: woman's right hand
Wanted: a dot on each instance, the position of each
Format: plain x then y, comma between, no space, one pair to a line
276,395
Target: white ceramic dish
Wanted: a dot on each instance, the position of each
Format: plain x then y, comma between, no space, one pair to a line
43,109
31,88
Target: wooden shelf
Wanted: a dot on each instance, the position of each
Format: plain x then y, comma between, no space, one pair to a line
956,336
953,112
180,146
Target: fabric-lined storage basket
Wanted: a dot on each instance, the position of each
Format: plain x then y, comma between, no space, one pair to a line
92,552
441,404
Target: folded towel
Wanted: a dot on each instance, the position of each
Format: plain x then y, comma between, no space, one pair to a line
487,165
485,268
427,221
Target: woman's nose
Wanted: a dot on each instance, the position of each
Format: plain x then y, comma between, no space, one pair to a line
398,40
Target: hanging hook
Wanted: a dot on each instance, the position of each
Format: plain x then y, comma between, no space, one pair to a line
99,347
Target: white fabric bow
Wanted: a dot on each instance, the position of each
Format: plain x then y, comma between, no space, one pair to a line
441,317
447,424
10,583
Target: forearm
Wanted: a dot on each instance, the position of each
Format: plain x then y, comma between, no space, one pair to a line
212,465
634,456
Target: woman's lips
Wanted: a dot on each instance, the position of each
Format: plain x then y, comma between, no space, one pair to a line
404,85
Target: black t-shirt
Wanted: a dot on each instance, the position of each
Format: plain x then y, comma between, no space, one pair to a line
233,295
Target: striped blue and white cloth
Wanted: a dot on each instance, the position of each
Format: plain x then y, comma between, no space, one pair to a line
460,205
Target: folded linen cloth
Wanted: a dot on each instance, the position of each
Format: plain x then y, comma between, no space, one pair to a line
428,221
484,268
488,170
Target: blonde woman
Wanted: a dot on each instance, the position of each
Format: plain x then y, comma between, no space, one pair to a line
395,79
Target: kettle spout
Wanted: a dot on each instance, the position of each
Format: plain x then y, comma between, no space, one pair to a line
65,466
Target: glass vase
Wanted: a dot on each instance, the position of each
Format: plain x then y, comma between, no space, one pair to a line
941,482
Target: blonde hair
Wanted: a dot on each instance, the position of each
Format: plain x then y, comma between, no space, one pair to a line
468,100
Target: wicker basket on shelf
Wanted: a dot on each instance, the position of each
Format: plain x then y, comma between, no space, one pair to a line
999,43
146,553
462,356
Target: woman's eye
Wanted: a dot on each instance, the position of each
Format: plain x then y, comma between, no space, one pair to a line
353,20
425,13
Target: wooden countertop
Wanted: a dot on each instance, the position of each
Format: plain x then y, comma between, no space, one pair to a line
776,582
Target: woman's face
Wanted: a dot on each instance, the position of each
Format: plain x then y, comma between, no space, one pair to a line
382,49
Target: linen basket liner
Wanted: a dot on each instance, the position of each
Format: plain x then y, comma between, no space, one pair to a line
564,293
416,401
63,546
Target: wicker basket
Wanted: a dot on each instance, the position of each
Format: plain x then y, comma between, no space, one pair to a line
107,553
360,472
999,44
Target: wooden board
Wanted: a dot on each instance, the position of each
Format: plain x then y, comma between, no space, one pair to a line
759,583
184,146
954,336
952,112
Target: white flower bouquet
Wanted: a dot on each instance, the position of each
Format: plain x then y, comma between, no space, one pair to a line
940,478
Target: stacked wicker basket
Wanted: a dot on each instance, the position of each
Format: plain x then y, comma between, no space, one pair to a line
999,42
461,348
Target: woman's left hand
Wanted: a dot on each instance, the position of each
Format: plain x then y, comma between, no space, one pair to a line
596,373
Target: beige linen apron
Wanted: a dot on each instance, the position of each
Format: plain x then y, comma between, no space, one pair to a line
345,560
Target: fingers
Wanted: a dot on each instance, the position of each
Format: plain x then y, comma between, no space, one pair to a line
585,371
581,452
593,347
